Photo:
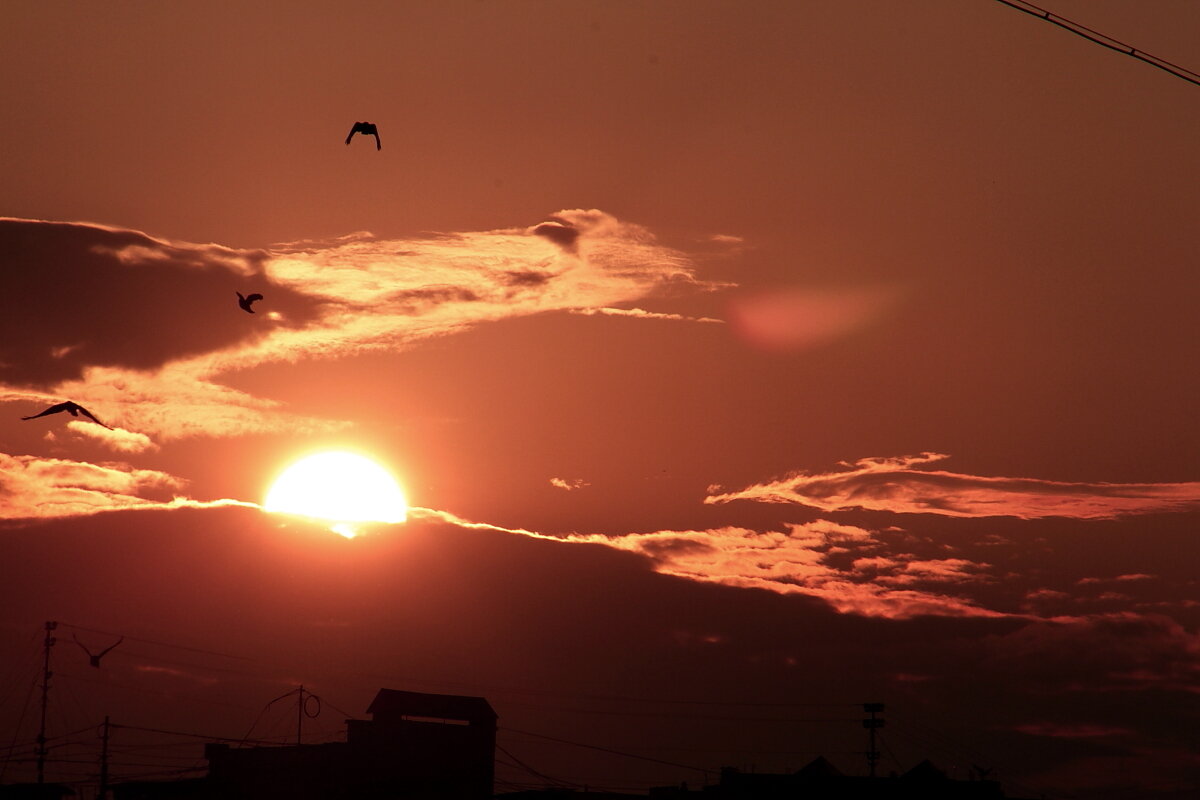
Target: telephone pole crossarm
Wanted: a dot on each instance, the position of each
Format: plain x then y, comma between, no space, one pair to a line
872,724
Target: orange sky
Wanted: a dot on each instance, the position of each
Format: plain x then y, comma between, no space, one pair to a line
814,350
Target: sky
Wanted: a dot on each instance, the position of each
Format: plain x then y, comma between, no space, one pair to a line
741,364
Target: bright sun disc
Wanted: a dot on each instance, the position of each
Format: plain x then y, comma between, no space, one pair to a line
338,486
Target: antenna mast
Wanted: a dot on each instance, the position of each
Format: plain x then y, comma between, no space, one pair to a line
299,713
103,795
872,724
47,643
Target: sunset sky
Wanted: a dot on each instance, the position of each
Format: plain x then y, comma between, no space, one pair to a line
741,363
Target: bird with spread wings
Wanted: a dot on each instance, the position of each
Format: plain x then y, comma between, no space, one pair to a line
74,409
366,129
94,658
245,301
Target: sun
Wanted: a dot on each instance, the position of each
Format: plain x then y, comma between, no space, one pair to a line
346,488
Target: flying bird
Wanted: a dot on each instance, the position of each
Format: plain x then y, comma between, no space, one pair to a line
366,129
245,302
74,409
94,658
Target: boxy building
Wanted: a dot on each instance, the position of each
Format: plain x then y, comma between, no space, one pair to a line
415,746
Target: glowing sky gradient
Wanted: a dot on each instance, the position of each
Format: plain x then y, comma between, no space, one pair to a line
773,354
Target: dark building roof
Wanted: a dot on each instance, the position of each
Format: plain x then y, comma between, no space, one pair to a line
393,704
818,768
925,771
821,780
35,791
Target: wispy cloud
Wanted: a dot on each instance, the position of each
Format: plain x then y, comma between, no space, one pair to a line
1133,576
33,487
896,485
568,484
1122,651
154,362
1058,730
641,314
114,438
802,559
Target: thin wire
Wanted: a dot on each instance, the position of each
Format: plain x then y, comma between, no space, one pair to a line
669,715
152,641
534,772
173,695
17,730
609,750
346,714
1103,40
492,690
32,667
223,739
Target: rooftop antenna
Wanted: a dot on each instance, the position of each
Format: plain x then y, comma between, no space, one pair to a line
302,708
104,734
872,724
47,643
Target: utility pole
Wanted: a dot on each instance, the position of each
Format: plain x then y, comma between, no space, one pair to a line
299,713
47,643
302,696
103,795
872,724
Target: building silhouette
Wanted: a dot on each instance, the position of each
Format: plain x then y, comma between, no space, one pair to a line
821,780
416,746
419,746
35,791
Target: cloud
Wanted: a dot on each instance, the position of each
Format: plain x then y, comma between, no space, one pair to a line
80,295
113,438
153,358
895,485
799,560
174,672
559,231
32,488
641,314
568,484
1117,652
1071,730
1135,576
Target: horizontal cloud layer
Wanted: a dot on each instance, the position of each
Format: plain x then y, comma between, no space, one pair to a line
895,485
84,295
804,559
151,361
32,487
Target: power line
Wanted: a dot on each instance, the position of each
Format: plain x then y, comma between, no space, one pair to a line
152,641
673,715
493,690
609,750
223,739
1103,40
521,764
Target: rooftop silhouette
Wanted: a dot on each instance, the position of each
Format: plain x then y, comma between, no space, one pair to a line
415,746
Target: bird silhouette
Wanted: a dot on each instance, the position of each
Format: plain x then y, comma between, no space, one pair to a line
74,409
245,302
94,658
366,129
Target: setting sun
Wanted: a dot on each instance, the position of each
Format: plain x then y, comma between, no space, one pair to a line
342,487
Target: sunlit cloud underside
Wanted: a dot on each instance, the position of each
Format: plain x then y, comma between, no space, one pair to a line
330,299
